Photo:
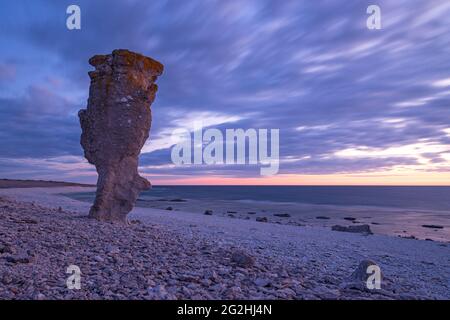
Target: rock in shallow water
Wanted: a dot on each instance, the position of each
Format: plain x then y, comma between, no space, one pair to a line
261,282
115,126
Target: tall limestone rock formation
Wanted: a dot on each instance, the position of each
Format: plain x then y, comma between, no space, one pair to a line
115,126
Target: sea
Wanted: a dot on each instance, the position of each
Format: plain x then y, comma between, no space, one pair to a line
406,197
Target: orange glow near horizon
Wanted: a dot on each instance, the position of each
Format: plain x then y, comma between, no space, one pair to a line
380,178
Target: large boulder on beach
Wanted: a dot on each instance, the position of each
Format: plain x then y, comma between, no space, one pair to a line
115,126
360,276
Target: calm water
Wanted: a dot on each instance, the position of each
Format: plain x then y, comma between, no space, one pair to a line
431,198
436,198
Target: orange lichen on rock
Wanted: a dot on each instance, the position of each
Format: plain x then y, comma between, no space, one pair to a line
116,125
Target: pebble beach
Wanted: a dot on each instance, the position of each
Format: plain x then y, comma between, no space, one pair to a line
167,254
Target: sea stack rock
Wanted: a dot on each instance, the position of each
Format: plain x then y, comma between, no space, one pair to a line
115,126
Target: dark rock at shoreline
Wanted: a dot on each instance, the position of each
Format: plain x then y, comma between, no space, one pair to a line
282,215
323,217
178,200
251,212
115,126
262,219
231,211
364,228
208,212
349,218
169,208
358,279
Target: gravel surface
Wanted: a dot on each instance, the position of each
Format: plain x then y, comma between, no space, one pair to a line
180,255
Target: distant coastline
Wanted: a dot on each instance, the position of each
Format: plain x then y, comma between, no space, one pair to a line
16,183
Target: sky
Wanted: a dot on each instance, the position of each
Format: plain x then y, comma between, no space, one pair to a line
354,106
